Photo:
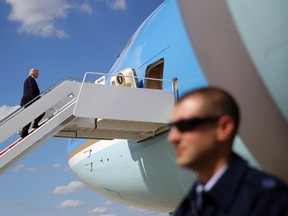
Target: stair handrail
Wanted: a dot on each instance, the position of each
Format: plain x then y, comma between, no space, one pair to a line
20,109
174,81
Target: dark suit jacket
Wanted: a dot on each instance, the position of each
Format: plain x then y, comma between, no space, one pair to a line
241,191
30,90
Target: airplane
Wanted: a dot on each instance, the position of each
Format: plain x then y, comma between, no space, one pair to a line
117,122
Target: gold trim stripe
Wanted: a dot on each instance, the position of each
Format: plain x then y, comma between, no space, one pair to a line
82,147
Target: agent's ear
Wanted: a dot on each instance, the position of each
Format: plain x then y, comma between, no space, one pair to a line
225,128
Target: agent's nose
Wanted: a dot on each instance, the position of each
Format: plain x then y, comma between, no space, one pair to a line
174,135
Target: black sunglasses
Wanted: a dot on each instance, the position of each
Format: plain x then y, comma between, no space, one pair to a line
185,125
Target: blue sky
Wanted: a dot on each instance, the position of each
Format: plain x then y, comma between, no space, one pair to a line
62,39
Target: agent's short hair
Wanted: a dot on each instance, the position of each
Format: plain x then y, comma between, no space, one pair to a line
216,102
32,71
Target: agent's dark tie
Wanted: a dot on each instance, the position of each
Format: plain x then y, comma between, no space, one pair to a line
199,195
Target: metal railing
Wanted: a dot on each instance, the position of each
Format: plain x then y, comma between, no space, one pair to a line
20,109
174,88
174,81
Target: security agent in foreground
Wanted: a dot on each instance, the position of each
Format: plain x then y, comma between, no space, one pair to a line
204,124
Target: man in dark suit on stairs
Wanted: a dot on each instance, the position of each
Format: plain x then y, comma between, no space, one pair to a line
30,91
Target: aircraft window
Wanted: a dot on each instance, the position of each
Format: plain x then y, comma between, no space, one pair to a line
155,70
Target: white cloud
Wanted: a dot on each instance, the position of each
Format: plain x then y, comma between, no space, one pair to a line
24,168
72,187
100,211
117,4
139,211
35,169
39,17
6,110
66,169
56,165
108,203
19,168
85,8
70,204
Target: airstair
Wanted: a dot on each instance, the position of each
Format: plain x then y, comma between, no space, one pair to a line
91,110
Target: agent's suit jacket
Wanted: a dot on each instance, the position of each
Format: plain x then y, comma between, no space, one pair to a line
30,90
240,191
